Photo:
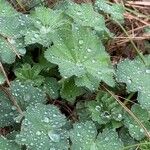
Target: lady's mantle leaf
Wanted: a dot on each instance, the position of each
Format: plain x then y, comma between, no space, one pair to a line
6,9
115,10
136,75
7,111
8,144
85,15
134,128
29,74
51,87
26,94
42,129
84,136
79,52
11,40
45,23
104,109
70,91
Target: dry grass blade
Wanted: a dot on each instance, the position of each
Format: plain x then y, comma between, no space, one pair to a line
139,3
5,75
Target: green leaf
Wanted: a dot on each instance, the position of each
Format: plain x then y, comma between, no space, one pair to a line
9,48
85,15
45,24
26,94
108,140
7,111
42,129
136,75
30,74
126,138
6,9
70,91
11,40
51,87
134,128
82,112
115,10
145,146
75,54
8,144
103,110
84,136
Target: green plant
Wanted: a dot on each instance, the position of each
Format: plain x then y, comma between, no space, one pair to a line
56,78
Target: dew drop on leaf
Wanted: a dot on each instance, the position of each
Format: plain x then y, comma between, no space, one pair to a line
148,71
81,42
46,120
54,136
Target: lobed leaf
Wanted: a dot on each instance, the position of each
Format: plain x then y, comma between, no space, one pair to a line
42,128
6,9
45,24
26,94
103,110
8,144
51,87
84,136
115,10
135,130
7,111
29,74
76,55
136,75
70,91
85,15
11,40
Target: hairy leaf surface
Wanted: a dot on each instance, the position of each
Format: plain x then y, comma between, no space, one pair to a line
8,145
7,110
42,129
84,136
135,130
136,75
75,54
85,15
115,10
26,94
45,24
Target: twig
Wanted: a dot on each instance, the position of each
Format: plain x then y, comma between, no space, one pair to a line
139,3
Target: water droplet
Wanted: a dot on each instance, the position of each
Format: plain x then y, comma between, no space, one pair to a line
46,120
81,42
129,81
99,73
93,61
148,71
89,50
23,139
54,136
97,108
38,133
142,130
13,108
79,13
